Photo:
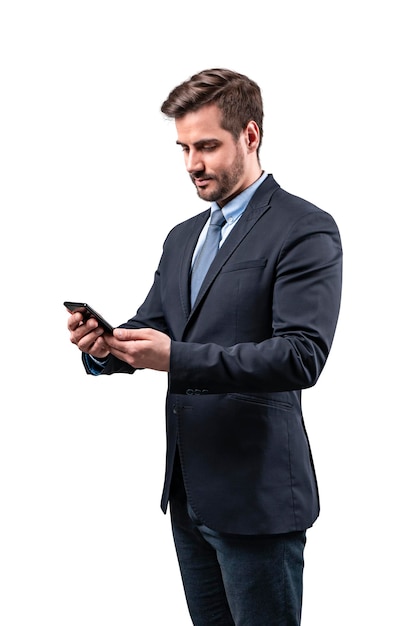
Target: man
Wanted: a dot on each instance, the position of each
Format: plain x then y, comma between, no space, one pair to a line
239,348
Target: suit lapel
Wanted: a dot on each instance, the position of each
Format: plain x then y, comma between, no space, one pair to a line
255,209
258,204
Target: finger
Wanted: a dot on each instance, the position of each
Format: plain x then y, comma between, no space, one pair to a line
129,334
92,342
74,320
130,352
86,334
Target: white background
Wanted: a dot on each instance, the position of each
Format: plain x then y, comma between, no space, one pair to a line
91,182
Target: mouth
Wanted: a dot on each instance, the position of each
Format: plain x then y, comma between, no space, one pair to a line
201,182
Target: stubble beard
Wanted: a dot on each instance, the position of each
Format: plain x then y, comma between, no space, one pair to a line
227,181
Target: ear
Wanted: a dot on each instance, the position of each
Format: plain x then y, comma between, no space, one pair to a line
252,136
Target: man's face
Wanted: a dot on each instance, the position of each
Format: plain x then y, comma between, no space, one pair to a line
216,162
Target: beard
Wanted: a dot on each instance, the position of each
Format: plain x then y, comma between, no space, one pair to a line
224,183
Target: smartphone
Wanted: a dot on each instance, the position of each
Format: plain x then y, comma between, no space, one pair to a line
88,312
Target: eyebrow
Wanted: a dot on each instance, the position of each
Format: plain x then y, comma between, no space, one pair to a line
200,143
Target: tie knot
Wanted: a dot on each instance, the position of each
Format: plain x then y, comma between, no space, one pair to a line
217,218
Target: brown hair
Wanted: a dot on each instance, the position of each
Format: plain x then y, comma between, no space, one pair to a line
237,96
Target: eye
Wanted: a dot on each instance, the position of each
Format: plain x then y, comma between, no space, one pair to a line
209,147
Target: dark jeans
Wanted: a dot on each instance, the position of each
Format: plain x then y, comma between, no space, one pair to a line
238,580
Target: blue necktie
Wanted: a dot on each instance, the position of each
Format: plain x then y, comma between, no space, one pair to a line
207,253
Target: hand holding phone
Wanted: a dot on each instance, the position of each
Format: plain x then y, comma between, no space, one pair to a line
87,311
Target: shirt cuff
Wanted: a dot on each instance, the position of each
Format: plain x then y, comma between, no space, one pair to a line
93,365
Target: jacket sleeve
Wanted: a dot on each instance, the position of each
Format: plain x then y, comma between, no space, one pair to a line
306,294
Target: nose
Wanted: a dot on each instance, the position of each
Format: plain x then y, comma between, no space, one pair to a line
193,160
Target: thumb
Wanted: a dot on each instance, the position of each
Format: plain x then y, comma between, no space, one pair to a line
126,334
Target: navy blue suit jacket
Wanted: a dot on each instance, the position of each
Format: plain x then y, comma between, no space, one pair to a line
259,332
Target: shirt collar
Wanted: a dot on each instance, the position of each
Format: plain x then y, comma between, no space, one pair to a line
235,208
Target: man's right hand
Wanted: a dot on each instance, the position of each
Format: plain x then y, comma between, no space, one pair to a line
87,336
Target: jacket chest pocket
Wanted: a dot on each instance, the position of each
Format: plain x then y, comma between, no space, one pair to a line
251,264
